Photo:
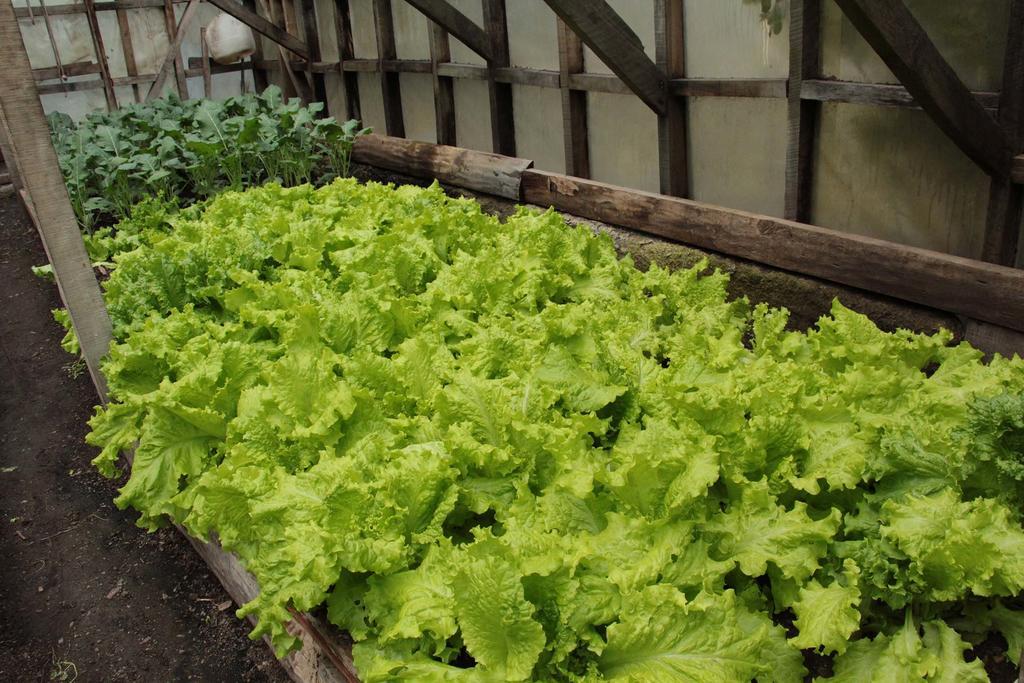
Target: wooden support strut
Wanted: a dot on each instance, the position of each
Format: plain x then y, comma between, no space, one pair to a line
128,50
574,104
673,146
179,68
101,54
901,42
503,125
457,24
1006,199
173,52
803,115
312,35
604,32
38,170
349,79
444,87
390,85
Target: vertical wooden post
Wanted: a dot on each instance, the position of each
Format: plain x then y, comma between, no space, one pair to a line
444,92
804,64
1006,199
574,103
170,25
349,79
311,31
128,48
389,80
673,147
101,55
259,75
207,77
29,136
503,128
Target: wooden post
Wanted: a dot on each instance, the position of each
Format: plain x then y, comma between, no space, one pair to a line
349,79
179,68
804,64
173,55
503,127
444,88
1006,199
128,48
101,55
36,160
207,77
389,80
312,34
673,147
574,103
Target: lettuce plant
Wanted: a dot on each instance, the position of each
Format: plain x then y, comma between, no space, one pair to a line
497,451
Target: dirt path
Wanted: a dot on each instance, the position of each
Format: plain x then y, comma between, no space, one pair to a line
82,590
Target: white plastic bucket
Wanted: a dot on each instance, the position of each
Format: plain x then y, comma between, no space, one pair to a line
229,39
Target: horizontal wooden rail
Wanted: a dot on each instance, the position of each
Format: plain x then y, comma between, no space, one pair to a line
959,285
479,171
79,8
70,70
876,94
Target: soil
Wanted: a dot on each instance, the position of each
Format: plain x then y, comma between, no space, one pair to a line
84,594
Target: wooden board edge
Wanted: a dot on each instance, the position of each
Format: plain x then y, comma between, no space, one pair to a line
982,291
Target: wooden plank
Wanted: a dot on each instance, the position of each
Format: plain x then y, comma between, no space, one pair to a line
70,70
350,81
901,42
269,8
539,78
728,87
976,289
575,142
179,69
1006,199
673,147
478,171
312,35
803,115
128,49
604,32
31,151
470,71
876,94
262,26
444,87
173,52
499,94
390,85
101,54
599,83
205,60
455,23
1017,170
79,8
304,88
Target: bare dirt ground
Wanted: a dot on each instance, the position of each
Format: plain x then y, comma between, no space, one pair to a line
84,594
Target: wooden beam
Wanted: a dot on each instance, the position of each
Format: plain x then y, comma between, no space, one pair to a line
503,124
901,42
457,24
128,49
101,54
33,154
350,80
390,85
173,52
876,94
976,289
479,171
1006,199
803,115
604,32
79,8
179,68
310,28
673,147
262,26
444,87
729,87
205,60
1017,169
574,104
73,69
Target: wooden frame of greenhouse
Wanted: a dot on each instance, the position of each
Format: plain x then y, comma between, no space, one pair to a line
983,294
